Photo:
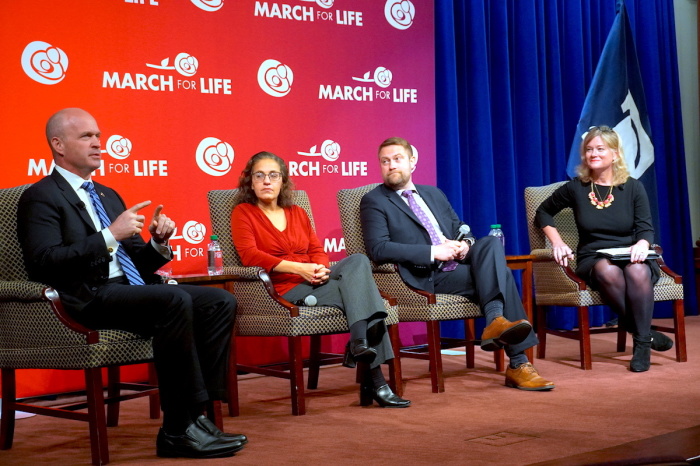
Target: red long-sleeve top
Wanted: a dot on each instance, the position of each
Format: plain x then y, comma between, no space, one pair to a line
259,243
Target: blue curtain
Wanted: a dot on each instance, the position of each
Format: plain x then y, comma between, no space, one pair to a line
511,79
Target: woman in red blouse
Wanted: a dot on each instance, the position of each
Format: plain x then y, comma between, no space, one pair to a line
270,231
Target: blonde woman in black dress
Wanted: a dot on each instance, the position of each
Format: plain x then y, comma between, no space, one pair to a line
611,210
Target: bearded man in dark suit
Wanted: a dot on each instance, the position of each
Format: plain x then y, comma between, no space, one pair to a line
74,235
413,226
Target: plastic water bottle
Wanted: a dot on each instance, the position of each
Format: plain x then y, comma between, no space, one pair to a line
498,233
215,259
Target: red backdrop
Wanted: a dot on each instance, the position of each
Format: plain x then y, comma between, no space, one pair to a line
185,92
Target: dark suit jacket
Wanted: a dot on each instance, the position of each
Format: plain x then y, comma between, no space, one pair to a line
61,246
393,233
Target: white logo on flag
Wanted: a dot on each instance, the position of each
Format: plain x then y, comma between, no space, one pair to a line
185,64
400,13
275,78
118,147
208,5
214,156
330,150
44,63
635,141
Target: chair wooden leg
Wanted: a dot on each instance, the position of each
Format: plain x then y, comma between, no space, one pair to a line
314,362
214,414
679,326
113,378
499,359
96,416
469,336
395,377
541,332
296,376
435,356
584,329
7,423
154,398
621,339
232,380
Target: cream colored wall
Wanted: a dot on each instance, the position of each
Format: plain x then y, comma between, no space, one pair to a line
687,44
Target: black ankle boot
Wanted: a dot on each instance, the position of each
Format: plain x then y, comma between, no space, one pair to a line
641,353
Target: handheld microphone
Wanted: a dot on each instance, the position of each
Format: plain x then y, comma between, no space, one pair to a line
308,301
464,230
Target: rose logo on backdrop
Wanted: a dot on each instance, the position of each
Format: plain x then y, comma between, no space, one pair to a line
185,64
321,3
209,5
330,150
194,232
118,147
275,78
44,63
382,77
214,156
400,13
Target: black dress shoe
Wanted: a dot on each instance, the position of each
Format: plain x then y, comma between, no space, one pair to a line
195,443
206,425
358,350
383,395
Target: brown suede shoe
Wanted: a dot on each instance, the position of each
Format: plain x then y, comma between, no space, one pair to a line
502,332
525,377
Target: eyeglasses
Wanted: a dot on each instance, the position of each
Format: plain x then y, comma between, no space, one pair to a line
259,177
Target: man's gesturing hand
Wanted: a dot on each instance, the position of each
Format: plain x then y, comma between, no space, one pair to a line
161,227
129,223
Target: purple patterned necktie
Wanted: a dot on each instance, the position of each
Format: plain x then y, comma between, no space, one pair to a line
428,225
127,264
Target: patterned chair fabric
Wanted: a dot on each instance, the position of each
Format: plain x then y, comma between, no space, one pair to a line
414,305
261,311
36,333
559,286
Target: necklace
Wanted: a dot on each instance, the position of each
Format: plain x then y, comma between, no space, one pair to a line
594,199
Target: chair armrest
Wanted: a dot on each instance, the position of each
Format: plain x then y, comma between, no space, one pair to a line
678,279
24,291
543,263
36,306
243,273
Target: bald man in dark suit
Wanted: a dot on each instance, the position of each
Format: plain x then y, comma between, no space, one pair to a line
79,237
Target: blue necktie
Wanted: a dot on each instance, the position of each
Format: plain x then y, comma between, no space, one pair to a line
449,266
128,266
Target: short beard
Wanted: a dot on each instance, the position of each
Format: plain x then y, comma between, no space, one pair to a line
402,182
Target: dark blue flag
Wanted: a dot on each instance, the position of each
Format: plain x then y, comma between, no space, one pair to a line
616,99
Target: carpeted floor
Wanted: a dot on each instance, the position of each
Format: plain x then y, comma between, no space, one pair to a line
477,421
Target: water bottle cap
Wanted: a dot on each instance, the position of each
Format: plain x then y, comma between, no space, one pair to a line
496,225
214,237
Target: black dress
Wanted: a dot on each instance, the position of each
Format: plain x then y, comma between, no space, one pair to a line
623,223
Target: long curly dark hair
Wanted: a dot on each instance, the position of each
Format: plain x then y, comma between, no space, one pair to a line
245,181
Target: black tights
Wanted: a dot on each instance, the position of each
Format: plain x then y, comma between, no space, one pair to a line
629,292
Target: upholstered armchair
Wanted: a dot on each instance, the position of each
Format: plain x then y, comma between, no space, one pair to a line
559,286
37,333
414,305
262,312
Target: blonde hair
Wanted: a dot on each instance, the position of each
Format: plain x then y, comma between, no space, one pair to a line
614,143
